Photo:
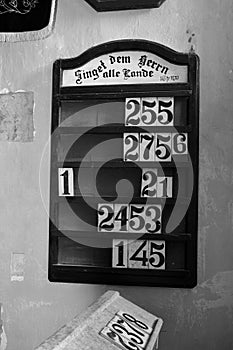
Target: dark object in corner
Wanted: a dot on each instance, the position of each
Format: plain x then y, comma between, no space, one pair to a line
117,5
24,17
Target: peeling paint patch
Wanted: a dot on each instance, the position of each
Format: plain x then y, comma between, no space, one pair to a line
207,174
231,74
230,211
217,292
16,116
24,305
191,40
203,232
17,267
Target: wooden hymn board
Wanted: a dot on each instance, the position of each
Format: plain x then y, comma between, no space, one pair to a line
124,166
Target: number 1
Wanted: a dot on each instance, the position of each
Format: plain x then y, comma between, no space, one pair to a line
119,253
164,187
65,182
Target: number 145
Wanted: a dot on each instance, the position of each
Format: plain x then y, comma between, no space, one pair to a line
138,254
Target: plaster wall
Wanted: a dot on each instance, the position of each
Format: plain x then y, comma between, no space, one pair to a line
200,318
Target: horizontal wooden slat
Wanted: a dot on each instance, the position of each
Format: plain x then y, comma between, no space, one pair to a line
114,271
119,164
121,235
166,90
120,129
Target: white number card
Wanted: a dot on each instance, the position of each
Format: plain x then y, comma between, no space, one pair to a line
153,216
121,215
180,143
164,187
137,252
128,331
147,146
165,111
157,255
105,217
163,147
65,182
118,340
132,111
137,218
120,253
131,147
149,182
149,111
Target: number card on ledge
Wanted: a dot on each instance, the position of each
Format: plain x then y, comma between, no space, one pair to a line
111,323
125,157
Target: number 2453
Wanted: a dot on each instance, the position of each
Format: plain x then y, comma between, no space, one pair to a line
132,218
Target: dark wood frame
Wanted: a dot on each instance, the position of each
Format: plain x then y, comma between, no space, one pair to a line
117,5
170,278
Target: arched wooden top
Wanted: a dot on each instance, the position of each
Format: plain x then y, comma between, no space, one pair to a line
158,49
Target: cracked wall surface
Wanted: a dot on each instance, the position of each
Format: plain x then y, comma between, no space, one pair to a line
16,117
